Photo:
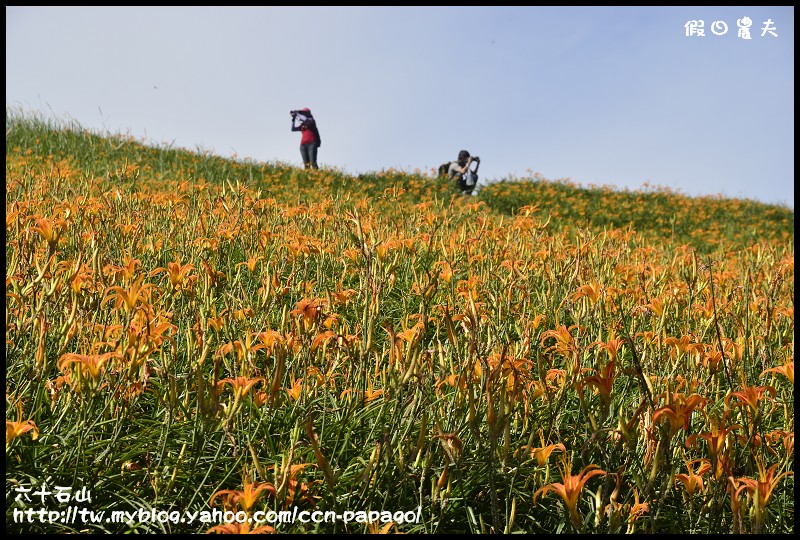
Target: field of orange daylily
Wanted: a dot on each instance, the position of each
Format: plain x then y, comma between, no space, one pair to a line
187,333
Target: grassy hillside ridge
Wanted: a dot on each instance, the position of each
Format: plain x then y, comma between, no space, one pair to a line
704,223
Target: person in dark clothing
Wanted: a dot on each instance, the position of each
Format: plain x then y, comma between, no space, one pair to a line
459,170
310,141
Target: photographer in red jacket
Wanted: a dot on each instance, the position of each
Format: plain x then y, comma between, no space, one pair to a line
310,141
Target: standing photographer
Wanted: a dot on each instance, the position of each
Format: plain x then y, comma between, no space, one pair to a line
310,140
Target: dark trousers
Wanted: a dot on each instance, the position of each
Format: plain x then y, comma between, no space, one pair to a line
309,155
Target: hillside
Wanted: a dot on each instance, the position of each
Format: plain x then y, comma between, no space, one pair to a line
655,214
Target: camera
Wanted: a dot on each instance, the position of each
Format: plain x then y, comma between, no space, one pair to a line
294,113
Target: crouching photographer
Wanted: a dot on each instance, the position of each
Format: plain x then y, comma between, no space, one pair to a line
460,170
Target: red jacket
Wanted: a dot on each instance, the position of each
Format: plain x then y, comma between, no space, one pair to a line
309,131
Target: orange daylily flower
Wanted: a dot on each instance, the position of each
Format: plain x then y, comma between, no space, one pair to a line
243,314
215,277
615,509
294,489
683,345
251,263
750,396
468,288
571,488
270,338
603,381
145,337
80,280
296,389
787,370
247,348
647,337
371,395
323,338
91,364
533,391
542,454
352,253
310,311
410,335
693,482
781,436
537,321
217,322
565,344
558,375
343,296
451,444
732,349
241,385
124,271
244,349
760,491
787,312
679,413
128,298
612,345
716,438
375,527
246,498
655,306
717,441
19,427
386,246
50,231
711,356
636,510
446,272
593,291
456,381
177,273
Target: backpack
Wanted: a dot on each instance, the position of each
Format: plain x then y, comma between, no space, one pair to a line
316,132
470,179
444,168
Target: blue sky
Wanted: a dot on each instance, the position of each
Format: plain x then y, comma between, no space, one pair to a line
615,96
